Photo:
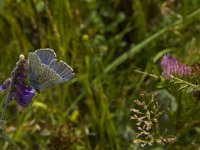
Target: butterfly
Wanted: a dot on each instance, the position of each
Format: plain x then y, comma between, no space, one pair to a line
46,71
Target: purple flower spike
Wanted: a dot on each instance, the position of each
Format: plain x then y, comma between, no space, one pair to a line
171,66
18,88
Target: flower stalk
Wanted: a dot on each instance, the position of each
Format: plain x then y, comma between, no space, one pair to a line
17,89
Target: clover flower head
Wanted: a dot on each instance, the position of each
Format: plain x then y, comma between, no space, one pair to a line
171,66
18,89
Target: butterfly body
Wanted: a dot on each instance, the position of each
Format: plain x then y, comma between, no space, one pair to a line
46,71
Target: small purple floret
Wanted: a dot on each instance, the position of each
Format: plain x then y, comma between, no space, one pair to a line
171,66
5,84
24,96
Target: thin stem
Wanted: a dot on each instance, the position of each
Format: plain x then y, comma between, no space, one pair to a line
2,118
183,81
146,73
9,140
54,27
4,107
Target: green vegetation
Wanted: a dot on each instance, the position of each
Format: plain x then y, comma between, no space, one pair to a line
104,42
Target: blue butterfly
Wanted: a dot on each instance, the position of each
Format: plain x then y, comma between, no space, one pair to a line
45,71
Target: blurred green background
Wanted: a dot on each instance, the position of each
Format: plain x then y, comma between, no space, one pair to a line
103,41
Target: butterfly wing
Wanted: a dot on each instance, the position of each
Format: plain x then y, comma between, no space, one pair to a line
46,71
62,68
46,55
34,70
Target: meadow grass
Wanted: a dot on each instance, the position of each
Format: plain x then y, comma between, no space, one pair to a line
104,42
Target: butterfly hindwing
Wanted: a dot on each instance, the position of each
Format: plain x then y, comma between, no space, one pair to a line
62,68
49,77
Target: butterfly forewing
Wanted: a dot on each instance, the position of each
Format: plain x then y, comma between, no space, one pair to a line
45,55
35,68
